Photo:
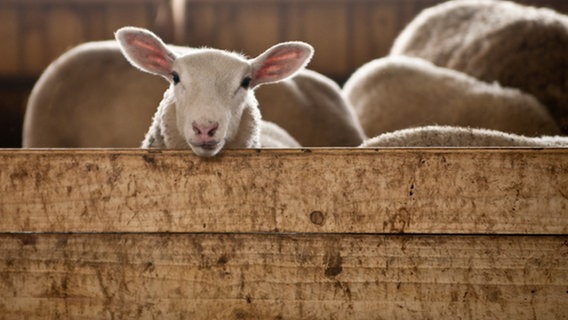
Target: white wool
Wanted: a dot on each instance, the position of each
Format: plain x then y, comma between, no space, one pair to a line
519,46
447,136
401,92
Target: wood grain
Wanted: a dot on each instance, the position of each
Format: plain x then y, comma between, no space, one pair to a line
9,30
282,276
284,234
442,191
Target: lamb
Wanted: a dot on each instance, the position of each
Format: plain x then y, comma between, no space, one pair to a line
448,136
400,92
210,103
518,46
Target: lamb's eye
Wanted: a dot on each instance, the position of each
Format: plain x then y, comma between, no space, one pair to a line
175,77
246,82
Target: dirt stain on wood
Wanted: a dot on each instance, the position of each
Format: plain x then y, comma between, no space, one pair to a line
333,262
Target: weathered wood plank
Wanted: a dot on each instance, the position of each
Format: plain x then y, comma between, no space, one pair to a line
461,191
270,276
241,27
9,30
324,26
374,27
35,32
117,16
65,28
33,42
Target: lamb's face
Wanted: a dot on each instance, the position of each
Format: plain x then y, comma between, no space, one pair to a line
211,89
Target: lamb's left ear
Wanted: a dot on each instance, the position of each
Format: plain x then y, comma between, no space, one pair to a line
280,62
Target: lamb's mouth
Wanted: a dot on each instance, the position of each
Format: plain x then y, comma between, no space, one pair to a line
208,145
207,149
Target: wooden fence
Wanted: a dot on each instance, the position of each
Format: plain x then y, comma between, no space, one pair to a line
285,234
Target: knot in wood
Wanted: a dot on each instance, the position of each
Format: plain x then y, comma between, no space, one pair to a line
317,217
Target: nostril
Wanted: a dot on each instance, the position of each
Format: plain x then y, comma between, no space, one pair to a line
196,130
213,130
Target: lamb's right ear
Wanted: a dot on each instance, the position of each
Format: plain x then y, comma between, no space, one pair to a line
280,62
145,50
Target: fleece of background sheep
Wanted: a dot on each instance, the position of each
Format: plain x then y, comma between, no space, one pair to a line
448,136
517,46
400,92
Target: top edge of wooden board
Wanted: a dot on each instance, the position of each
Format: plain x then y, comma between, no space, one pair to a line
339,190
301,150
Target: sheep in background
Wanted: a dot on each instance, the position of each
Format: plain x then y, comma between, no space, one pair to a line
91,97
311,107
395,93
447,136
210,103
518,46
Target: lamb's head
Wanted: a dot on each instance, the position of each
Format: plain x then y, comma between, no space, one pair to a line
212,88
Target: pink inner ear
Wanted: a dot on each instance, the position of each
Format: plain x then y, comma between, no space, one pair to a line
144,45
154,55
159,62
278,64
268,71
148,54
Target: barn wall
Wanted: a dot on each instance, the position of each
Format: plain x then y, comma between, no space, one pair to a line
344,33
35,32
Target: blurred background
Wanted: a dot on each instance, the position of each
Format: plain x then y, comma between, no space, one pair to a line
345,33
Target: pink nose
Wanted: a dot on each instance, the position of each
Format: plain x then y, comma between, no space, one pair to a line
205,131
